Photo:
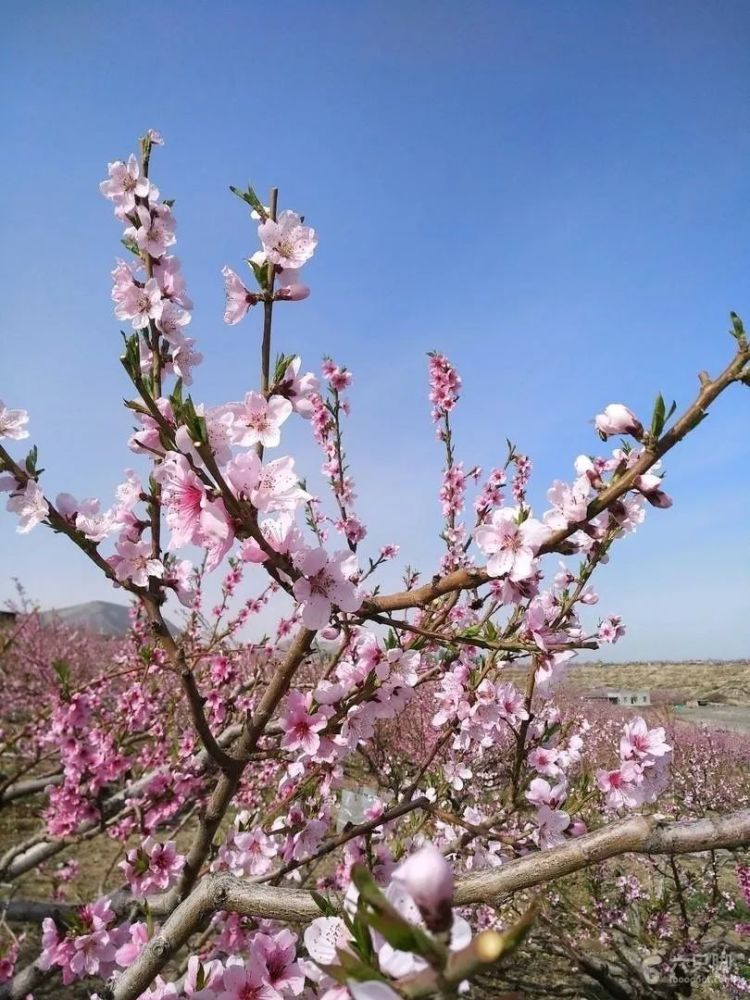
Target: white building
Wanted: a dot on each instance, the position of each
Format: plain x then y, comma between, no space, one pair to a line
633,698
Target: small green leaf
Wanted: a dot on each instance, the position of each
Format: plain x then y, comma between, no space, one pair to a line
335,972
659,417
31,460
261,273
738,329
324,905
251,198
131,245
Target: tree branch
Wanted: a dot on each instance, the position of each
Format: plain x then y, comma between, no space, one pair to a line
637,835
467,579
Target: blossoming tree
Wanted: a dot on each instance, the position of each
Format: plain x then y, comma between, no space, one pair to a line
212,765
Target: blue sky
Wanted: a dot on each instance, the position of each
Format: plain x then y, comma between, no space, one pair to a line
555,195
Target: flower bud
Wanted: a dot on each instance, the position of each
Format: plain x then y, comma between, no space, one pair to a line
617,419
292,293
428,879
650,486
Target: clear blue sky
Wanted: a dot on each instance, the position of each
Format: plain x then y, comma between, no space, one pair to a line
555,194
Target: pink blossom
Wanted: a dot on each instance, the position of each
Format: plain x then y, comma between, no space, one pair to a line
510,545
338,378
639,742
259,420
611,629
85,515
544,761
30,506
239,299
570,503
139,303
550,826
148,439
278,953
617,419
152,866
171,281
300,727
155,230
184,357
245,981
620,786
445,385
171,321
12,423
299,389
251,852
289,287
127,953
202,978
325,584
91,952
541,793
428,879
372,990
650,486
8,961
191,514
456,774
287,242
270,487
323,937
281,534
511,703
124,185
133,561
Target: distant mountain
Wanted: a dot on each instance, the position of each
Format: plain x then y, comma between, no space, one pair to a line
100,617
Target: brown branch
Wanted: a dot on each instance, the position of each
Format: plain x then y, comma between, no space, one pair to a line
214,892
345,836
467,579
637,835
228,783
225,761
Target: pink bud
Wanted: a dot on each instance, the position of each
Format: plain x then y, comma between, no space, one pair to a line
577,828
292,293
650,486
428,879
617,419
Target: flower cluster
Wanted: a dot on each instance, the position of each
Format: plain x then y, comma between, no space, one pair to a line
642,771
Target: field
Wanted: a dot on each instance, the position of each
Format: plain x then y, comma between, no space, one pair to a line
716,681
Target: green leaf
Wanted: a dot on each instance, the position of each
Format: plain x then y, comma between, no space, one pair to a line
325,906
386,919
261,273
738,329
659,417
62,672
31,460
355,968
131,245
282,363
251,198
398,933
335,972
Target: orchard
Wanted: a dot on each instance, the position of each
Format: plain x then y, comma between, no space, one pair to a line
385,797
